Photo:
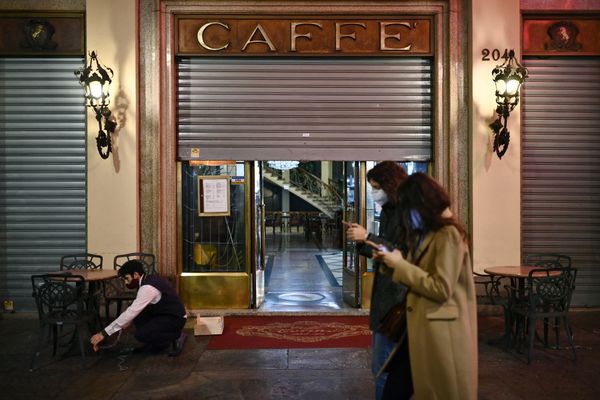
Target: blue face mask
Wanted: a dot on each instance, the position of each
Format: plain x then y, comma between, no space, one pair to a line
416,220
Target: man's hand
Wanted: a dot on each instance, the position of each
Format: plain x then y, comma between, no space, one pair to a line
96,339
355,232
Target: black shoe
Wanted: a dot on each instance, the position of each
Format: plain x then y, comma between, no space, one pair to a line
158,348
178,345
150,349
142,349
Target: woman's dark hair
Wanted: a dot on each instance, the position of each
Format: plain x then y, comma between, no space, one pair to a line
423,194
130,267
389,175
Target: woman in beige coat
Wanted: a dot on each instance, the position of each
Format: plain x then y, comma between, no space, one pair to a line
441,306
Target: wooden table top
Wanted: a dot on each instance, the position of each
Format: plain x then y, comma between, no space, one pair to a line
516,271
91,275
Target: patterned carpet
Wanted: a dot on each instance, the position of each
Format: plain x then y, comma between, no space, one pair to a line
274,332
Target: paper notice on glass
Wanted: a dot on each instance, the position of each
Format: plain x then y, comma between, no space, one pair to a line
215,195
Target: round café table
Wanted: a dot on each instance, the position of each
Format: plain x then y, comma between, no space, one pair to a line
94,278
517,274
519,271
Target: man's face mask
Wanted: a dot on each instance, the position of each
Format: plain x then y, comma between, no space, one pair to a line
379,196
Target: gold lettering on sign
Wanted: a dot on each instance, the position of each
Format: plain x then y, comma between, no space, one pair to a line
383,36
339,36
203,42
295,35
265,38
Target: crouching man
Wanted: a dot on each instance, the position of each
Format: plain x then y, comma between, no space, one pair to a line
157,312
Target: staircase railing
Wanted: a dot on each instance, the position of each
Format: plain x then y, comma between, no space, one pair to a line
310,183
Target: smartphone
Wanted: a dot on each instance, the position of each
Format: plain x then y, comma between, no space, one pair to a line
378,247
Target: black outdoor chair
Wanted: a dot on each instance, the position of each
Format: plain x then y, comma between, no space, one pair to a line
492,294
61,302
85,261
115,289
548,260
491,288
547,297
81,261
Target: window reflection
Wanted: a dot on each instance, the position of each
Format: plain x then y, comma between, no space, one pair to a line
213,243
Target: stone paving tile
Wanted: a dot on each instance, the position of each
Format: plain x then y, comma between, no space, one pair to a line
266,384
295,374
344,359
243,359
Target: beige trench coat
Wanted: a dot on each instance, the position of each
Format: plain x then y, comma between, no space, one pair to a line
441,317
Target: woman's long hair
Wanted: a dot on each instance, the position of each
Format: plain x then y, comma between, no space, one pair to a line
421,202
389,175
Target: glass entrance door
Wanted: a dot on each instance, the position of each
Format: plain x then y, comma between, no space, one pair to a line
217,240
353,267
304,208
259,252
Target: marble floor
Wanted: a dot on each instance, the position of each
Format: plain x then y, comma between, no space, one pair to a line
303,275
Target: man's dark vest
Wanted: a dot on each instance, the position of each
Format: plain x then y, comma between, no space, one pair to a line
169,304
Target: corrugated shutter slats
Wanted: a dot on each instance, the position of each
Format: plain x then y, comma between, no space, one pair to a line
42,170
561,166
306,109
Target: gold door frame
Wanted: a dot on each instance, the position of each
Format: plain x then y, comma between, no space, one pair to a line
158,122
217,290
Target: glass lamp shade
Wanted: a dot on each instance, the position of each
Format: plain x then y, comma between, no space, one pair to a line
95,90
512,87
507,90
500,87
508,78
96,81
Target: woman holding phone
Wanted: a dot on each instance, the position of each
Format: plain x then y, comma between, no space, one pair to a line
385,179
441,311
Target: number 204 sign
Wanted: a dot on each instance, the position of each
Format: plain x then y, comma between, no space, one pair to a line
494,54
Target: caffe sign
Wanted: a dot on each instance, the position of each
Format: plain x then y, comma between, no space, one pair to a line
306,36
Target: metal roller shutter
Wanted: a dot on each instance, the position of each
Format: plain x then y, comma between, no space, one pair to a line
561,166
305,109
42,170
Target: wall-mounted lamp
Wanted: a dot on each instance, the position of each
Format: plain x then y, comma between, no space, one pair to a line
95,80
508,78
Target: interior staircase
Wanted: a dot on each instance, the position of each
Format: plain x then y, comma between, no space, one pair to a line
308,187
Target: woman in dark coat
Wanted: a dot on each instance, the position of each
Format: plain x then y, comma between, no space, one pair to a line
384,178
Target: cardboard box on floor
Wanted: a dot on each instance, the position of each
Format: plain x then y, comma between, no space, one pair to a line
209,326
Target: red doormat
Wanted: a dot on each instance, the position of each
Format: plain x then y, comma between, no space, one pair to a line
273,332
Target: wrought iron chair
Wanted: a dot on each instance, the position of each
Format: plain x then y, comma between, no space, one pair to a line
85,261
61,302
81,261
548,298
548,260
491,288
492,295
115,289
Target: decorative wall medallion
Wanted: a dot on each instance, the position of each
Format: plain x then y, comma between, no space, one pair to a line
563,37
38,35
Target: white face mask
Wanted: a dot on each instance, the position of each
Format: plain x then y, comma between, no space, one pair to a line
379,196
